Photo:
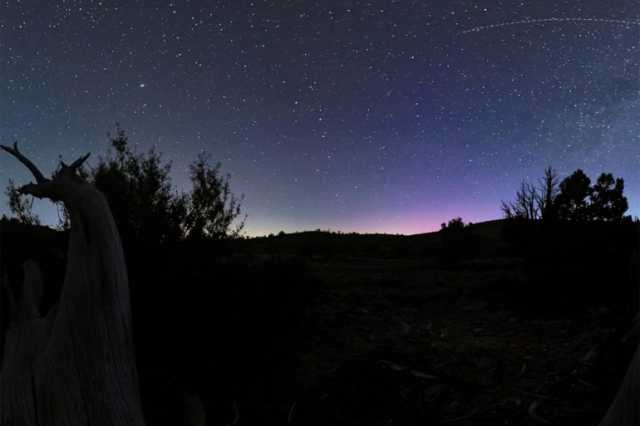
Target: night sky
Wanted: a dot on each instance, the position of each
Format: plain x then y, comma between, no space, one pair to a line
389,116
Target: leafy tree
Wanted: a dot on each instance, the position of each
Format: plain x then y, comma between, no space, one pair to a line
212,208
144,205
138,188
574,199
21,205
607,200
572,203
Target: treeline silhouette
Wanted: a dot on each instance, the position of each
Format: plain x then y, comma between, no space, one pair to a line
149,212
211,329
220,319
572,199
575,239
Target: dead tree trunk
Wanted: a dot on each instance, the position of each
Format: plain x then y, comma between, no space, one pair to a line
625,408
73,365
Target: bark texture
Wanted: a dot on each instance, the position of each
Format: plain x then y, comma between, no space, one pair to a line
625,408
73,365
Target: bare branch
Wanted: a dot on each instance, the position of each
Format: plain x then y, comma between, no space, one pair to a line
66,169
524,206
24,160
36,190
78,163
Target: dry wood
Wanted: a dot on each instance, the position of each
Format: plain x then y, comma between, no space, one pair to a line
73,365
625,408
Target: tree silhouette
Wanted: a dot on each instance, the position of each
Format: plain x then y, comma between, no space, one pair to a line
138,188
146,208
454,225
546,197
20,205
526,204
212,208
533,203
574,199
572,203
607,200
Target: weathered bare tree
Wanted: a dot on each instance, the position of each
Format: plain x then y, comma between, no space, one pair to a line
526,204
74,364
546,195
625,409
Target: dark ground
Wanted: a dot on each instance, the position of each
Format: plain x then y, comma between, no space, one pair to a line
400,342
479,328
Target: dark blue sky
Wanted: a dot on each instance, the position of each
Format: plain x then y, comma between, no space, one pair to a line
353,115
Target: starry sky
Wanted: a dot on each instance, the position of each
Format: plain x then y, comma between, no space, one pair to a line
370,116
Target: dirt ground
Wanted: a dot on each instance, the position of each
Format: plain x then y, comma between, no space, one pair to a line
406,342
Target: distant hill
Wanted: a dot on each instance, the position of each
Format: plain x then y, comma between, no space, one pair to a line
486,235
491,229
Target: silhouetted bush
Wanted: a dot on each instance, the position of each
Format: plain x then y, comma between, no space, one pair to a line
21,206
453,225
574,199
146,208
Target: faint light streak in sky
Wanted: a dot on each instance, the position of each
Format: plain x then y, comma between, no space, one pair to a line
480,28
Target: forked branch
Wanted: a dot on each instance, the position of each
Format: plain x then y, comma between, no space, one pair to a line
40,179
79,162
44,188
